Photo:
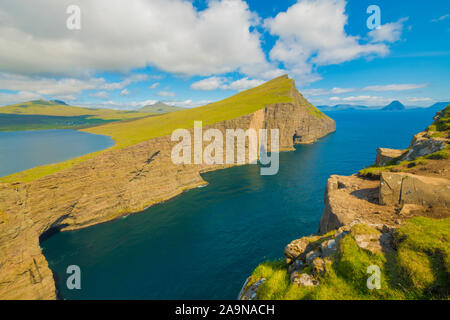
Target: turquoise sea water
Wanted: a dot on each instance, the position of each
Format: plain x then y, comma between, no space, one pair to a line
21,150
204,243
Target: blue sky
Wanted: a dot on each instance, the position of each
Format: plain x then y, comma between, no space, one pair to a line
189,53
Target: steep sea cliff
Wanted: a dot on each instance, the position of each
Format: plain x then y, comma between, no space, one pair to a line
384,232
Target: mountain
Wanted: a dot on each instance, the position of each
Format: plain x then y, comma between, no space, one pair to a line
394,106
352,232
159,107
56,114
439,105
138,172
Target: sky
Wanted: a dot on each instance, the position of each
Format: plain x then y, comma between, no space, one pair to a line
127,54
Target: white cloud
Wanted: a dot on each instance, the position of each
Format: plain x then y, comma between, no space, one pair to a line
377,88
311,32
243,84
124,92
69,97
419,99
395,87
166,94
389,32
171,35
142,103
445,16
369,100
61,86
137,77
214,83
48,86
363,100
154,85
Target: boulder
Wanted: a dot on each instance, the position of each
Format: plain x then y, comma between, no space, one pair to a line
406,188
297,265
384,155
310,256
294,249
328,248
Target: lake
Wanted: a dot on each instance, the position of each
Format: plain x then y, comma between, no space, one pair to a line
21,150
204,243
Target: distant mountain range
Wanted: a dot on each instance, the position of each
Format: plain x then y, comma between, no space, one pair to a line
393,106
342,107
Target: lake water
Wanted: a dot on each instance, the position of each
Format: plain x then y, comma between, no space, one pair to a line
21,150
204,243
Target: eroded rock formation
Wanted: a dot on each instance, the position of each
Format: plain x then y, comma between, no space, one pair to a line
113,184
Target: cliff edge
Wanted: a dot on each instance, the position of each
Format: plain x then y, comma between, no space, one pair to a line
134,175
392,219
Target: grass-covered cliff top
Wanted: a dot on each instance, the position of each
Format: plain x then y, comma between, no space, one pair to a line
419,268
277,90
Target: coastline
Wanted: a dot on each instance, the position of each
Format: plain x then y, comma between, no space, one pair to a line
102,189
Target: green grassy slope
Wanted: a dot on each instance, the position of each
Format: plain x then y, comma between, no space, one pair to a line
246,102
418,269
42,114
49,108
22,122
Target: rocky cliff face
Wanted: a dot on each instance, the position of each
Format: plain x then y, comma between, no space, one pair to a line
113,184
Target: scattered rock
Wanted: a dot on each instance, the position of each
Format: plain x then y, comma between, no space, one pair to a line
297,265
328,247
294,249
422,145
406,188
311,255
410,209
250,292
303,280
318,267
375,243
